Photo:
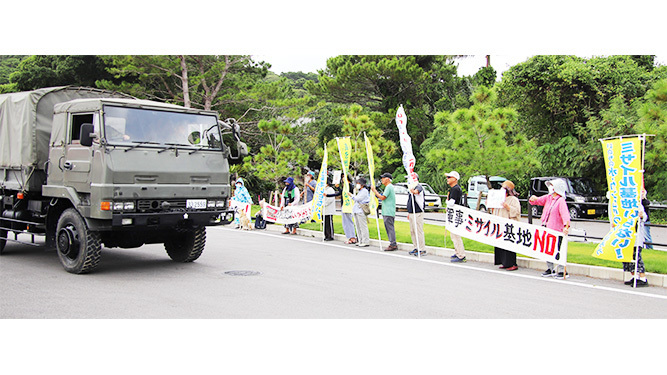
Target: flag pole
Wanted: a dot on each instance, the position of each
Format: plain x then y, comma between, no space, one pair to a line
377,221
636,249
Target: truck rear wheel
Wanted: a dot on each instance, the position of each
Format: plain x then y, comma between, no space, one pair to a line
186,245
78,247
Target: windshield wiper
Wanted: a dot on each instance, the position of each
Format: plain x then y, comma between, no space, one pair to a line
137,144
171,146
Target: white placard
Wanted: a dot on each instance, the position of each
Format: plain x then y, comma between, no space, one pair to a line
495,198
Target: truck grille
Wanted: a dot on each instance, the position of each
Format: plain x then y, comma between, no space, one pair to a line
159,205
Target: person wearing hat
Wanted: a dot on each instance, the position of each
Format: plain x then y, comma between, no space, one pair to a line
329,209
415,208
511,210
456,194
555,215
290,197
388,198
360,219
309,186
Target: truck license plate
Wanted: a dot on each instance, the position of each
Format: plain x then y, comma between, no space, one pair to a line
197,204
591,212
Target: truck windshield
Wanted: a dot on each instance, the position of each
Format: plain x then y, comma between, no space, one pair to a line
124,125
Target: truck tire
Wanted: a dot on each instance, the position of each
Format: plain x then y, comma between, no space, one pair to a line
3,238
186,245
78,247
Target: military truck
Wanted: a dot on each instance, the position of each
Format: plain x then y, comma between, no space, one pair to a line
87,168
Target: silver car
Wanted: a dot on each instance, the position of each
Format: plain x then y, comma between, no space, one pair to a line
432,200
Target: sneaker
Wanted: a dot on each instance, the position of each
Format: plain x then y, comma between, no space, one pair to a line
548,273
459,260
422,253
413,252
391,248
560,276
630,282
641,283
453,256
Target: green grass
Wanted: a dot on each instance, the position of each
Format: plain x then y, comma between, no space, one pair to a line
655,261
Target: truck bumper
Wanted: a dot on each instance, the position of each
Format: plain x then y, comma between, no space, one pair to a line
171,219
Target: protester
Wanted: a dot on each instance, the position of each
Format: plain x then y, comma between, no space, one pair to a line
290,197
647,229
346,217
360,217
455,194
511,210
637,254
309,186
416,218
329,210
388,198
555,215
241,195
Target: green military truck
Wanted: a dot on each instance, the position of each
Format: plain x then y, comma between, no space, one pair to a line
88,168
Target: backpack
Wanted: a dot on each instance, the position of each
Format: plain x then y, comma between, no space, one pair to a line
260,223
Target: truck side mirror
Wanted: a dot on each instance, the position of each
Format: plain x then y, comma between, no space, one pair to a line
85,136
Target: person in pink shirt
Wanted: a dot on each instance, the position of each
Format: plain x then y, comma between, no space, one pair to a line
555,215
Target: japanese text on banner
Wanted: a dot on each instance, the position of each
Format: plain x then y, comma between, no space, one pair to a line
522,238
318,198
345,150
373,204
623,162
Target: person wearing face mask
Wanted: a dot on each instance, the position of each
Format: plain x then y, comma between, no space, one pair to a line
555,215
242,196
360,217
290,197
511,210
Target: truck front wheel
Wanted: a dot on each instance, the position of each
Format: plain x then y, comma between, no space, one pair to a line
186,245
78,247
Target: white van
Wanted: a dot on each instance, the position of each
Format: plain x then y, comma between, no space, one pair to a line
477,185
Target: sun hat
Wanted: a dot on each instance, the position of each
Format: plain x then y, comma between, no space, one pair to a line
559,186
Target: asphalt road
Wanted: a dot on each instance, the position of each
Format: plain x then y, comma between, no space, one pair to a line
261,274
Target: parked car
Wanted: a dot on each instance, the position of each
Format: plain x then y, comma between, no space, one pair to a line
477,185
581,196
432,200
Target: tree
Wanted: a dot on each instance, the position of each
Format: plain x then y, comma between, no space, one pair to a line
480,140
355,124
58,70
279,158
653,120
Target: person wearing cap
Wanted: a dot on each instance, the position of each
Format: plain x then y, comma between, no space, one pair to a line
360,218
309,186
511,210
290,197
388,198
456,194
555,215
416,218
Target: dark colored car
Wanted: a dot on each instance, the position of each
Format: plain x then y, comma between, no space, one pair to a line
582,198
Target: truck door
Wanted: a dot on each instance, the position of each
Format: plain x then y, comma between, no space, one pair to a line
78,159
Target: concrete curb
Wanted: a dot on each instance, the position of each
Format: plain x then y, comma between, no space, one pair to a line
597,272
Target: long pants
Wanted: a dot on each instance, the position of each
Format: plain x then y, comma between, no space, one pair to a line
647,235
550,266
630,266
505,257
361,223
348,225
459,250
328,227
389,227
416,222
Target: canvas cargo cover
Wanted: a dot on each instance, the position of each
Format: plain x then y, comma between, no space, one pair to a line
25,122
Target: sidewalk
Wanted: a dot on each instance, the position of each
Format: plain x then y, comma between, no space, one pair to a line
539,265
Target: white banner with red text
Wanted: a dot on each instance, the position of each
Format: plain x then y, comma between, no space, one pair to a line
522,238
288,215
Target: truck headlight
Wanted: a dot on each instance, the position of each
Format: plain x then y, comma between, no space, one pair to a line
118,206
128,206
220,204
210,204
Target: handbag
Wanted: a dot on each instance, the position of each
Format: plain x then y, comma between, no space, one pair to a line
365,208
260,223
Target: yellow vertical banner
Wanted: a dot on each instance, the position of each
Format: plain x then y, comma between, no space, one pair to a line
623,162
373,205
318,197
345,150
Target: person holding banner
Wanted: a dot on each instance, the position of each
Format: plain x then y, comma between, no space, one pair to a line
290,197
456,194
647,230
241,199
388,198
415,207
637,254
329,210
556,216
360,210
346,217
511,210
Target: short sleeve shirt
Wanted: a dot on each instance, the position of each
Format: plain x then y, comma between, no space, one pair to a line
389,203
